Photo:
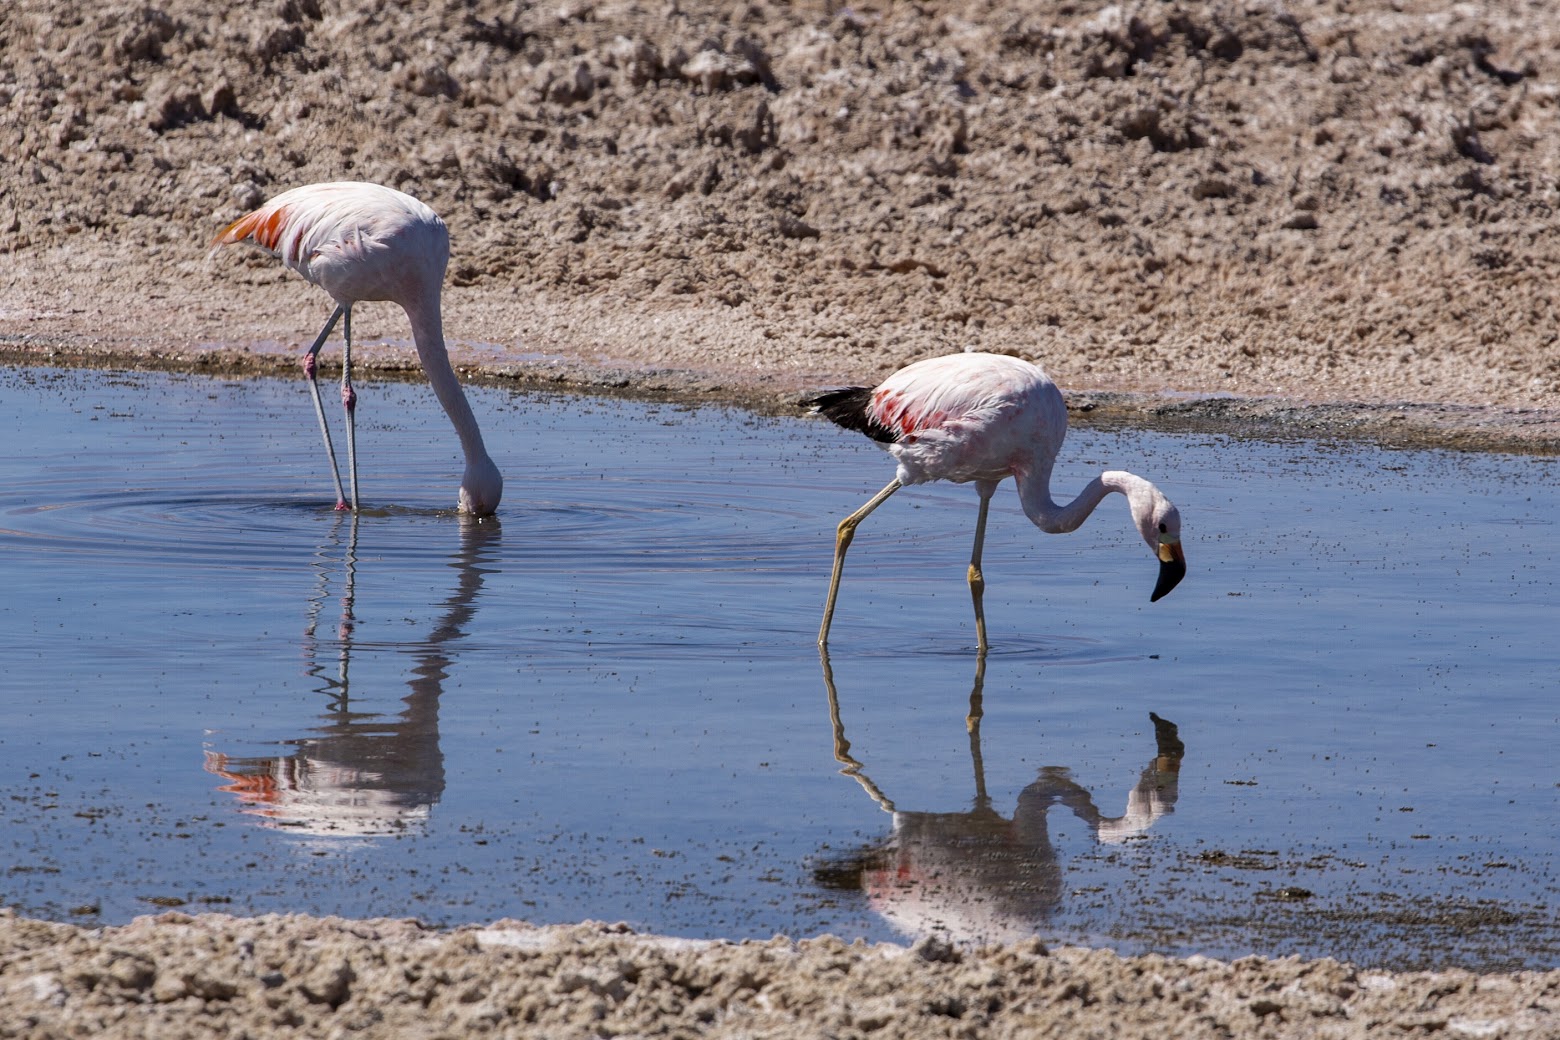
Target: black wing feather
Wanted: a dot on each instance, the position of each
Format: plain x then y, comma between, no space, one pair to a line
851,407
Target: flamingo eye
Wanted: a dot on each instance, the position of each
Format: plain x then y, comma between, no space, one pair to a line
1162,529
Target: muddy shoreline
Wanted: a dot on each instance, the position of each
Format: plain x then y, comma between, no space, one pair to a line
1446,426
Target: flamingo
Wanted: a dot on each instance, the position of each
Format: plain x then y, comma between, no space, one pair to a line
358,242
983,417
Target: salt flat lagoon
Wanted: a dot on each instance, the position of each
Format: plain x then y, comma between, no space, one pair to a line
1336,737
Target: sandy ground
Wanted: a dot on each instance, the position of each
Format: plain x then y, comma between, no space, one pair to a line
1323,214
1317,202
177,976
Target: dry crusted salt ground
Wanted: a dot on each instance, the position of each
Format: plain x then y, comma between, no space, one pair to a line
213,975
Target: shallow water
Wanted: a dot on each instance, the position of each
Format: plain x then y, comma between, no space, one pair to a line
218,693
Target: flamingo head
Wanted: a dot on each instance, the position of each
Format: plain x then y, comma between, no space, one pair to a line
1160,525
481,487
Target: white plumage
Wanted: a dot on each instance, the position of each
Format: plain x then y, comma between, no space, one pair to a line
981,418
361,241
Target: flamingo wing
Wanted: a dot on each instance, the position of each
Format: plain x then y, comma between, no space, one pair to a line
961,417
943,393
969,416
330,223
286,223
850,407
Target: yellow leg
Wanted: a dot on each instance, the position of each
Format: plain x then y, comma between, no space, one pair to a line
977,701
972,724
842,537
978,579
842,753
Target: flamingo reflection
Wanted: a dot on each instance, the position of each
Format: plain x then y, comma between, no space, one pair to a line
977,876
362,773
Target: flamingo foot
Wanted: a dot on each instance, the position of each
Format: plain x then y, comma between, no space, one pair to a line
342,507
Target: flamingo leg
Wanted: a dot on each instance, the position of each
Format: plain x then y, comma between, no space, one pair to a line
842,538
977,578
842,753
311,369
349,404
977,711
972,724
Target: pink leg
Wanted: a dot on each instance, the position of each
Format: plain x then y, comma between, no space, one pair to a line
310,363
349,405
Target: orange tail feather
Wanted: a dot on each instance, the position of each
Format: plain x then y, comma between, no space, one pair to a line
264,226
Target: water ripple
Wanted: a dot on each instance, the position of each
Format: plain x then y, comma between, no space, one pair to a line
609,702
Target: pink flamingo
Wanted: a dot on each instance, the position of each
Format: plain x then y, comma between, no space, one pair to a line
367,242
982,417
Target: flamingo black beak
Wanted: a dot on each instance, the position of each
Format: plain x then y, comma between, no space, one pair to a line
1172,568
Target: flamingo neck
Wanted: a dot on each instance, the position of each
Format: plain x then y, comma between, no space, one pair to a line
1034,491
428,335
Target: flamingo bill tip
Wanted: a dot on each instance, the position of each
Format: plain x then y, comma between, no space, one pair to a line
1170,574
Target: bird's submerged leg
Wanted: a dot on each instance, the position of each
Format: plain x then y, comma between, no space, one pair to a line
310,364
842,538
349,405
977,703
977,578
842,753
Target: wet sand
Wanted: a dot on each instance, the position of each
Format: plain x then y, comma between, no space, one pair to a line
1316,217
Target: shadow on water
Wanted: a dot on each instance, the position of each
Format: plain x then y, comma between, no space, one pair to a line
977,877
609,707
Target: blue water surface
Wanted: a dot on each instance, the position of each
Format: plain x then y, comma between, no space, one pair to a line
219,693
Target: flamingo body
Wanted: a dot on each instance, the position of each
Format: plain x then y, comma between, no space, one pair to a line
981,418
360,241
969,417
356,241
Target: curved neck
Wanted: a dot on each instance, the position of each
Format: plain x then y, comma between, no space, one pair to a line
428,334
1034,492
